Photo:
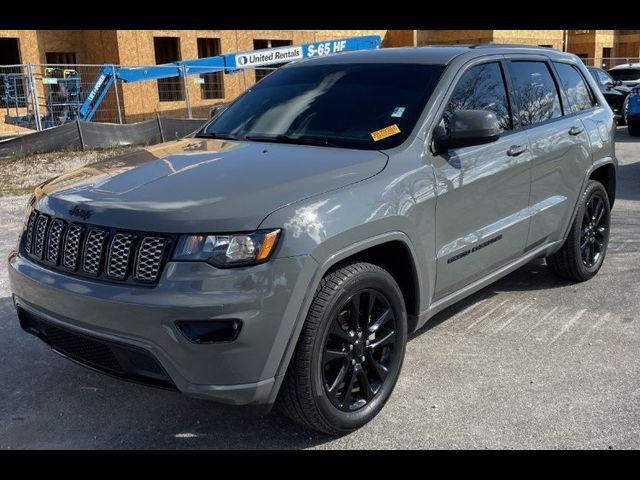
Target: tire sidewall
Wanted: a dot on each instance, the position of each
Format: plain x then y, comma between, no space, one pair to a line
593,189
383,283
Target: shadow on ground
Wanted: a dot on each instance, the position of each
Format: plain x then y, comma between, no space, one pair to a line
628,181
51,402
533,276
48,401
622,136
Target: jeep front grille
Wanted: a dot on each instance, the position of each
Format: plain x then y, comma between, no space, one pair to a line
55,237
93,250
31,226
72,246
98,252
149,255
119,254
41,231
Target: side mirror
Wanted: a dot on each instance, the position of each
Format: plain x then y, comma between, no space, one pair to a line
468,128
618,83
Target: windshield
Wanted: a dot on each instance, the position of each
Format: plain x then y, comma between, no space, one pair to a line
363,106
625,74
600,76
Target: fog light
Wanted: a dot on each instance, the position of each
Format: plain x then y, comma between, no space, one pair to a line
209,331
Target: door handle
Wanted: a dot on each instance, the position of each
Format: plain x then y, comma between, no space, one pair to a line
576,130
516,150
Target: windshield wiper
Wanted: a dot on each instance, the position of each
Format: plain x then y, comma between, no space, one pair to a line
218,135
301,140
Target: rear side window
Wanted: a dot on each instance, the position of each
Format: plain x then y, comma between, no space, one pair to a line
625,74
575,88
535,91
481,88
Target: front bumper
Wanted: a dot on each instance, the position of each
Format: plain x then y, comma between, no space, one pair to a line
265,298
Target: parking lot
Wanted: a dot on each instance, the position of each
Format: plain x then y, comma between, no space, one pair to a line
529,362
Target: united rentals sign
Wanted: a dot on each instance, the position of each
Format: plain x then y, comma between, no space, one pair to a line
268,57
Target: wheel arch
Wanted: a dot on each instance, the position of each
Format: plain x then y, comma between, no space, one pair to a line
372,248
393,252
605,173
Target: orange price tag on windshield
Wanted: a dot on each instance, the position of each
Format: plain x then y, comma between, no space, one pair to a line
385,132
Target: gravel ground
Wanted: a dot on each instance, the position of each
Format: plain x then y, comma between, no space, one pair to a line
12,215
20,176
529,362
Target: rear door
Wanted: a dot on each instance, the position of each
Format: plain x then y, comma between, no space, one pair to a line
483,191
559,147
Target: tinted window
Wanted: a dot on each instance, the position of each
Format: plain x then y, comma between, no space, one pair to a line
625,74
574,87
367,106
536,94
604,77
481,88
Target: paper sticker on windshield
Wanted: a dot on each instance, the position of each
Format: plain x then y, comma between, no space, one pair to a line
385,132
398,112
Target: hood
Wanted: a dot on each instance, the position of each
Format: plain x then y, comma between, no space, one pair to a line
623,89
201,185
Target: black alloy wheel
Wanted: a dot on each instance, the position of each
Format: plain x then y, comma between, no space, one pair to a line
595,231
359,349
350,350
583,251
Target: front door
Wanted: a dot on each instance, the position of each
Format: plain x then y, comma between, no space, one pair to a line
483,191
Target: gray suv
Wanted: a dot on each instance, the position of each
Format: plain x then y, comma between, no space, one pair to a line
283,253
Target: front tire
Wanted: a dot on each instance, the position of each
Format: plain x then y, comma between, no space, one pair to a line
583,252
350,351
634,128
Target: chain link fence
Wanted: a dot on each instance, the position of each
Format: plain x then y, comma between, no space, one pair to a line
608,63
36,97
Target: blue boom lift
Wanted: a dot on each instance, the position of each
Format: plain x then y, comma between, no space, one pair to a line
229,63
68,103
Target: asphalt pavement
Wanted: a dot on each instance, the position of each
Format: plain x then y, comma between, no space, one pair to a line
529,362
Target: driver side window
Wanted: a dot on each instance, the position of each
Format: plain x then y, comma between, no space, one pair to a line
480,88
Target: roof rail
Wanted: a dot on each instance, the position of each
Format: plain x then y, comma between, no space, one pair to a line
449,45
505,45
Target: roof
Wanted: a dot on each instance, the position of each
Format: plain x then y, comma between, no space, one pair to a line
625,66
429,54
434,56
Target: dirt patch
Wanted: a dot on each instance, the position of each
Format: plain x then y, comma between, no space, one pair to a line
12,216
20,175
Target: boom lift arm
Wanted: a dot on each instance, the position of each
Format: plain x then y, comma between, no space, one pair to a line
229,63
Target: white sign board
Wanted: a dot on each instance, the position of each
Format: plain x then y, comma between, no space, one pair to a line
268,57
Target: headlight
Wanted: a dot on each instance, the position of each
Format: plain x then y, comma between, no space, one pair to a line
227,250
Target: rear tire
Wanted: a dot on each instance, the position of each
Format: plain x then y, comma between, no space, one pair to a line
634,128
350,351
623,113
583,252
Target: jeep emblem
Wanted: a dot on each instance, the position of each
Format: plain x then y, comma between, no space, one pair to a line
80,213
